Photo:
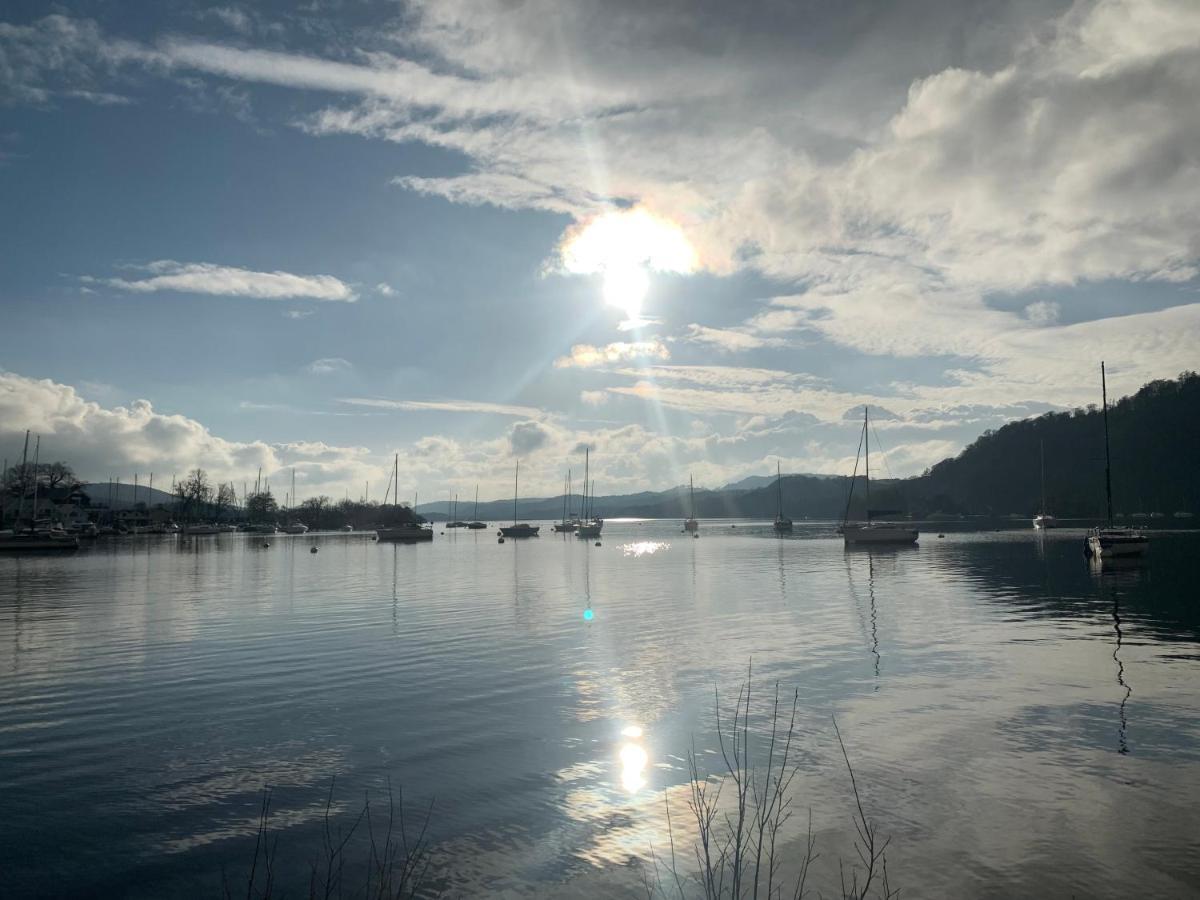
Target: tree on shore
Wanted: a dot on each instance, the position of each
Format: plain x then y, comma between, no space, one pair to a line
194,492
261,507
226,499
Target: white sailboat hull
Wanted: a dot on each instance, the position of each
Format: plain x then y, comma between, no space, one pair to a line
881,533
1041,522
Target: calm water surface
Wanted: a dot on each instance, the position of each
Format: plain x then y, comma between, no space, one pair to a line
1020,723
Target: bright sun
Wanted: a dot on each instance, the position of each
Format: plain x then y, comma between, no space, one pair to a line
625,287
624,247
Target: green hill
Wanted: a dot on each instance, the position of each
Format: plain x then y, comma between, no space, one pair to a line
1154,436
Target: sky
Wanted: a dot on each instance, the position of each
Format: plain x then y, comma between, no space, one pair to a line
694,237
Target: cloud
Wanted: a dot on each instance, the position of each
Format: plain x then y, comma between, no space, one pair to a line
99,442
729,340
228,281
232,16
456,406
1042,312
525,437
384,289
588,356
298,313
328,365
593,398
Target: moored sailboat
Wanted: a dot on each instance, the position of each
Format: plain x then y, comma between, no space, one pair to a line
569,523
692,524
590,525
1043,519
782,524
870,531
39,535
1110,541
518,529
404,532
475,524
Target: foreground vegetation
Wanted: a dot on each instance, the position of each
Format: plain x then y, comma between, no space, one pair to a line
734,842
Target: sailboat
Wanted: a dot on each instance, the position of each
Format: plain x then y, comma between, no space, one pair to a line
783,525
452,520
1111,542
569,523
518,529
407,532
33,537
475,524
692,524
590,525
871,532
295,526
1043,519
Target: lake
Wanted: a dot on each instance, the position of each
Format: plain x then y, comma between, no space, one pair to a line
1019,722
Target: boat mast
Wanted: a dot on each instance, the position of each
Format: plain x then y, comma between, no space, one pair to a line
516,475
37,449
585,484
779,482
396,484
1107,457
1042,453
692,494
564,515
867,438
569,497
25,481
475,515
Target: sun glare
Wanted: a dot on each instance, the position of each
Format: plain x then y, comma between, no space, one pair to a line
624,248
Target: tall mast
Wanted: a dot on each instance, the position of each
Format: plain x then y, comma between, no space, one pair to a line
25,478
564,515
867,438
585,484
396,480
779,482
475,515
294,504
1107,458
692,494
37,449
516,475
1042,454
569,497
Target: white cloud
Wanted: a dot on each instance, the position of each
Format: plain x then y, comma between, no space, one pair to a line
328,365
298,313
384,289
729,340
593,398
588,356
99,442
228,281
456,406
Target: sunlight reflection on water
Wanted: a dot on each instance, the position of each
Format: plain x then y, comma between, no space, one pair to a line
644,548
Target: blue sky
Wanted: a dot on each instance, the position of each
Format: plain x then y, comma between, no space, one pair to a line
694,238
